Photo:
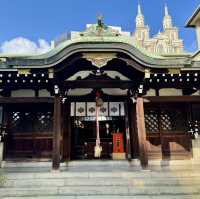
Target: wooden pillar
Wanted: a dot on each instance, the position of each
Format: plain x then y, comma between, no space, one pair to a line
7,124
141,132
67,131
133,129
2,140
127,126
66,128
57,133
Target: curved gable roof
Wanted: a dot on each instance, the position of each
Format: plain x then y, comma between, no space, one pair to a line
96,39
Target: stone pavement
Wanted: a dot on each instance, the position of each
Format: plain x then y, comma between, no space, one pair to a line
102,179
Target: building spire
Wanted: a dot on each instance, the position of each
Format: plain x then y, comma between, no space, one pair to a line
139,17
167,21
139,9
166,10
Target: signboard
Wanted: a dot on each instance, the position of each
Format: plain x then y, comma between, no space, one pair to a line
118,143
88,109
80,109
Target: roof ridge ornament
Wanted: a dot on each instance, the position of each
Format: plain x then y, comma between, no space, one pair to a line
100,30
100,25
100,21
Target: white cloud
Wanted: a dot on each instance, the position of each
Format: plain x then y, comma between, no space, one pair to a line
22,45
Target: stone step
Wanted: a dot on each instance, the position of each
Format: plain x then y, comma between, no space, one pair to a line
99,163
100,190
102,181
110,197
116,174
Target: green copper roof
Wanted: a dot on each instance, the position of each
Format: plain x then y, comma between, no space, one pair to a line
92,34
97,38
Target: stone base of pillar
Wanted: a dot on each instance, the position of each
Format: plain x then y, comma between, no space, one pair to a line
118,156
196,149
55,171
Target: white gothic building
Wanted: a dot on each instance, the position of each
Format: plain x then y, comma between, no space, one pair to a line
166,42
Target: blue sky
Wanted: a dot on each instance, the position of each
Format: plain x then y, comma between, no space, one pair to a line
47,19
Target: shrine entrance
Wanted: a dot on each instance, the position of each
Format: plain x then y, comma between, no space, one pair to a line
84,136
111,120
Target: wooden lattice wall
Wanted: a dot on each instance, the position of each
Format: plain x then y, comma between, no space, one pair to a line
166,126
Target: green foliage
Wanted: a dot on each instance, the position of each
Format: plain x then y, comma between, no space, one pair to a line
3,180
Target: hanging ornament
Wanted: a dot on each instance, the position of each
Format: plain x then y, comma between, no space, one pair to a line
99,101
98,147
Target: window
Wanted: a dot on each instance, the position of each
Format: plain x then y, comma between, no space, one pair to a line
165,118
31,119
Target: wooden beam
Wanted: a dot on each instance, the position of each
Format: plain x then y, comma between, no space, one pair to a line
164,99
57,133
15,100
141,132
99,84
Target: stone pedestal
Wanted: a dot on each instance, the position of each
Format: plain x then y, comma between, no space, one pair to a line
119,156
1,153
196,148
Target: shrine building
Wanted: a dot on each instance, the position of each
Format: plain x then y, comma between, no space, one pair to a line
103,94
